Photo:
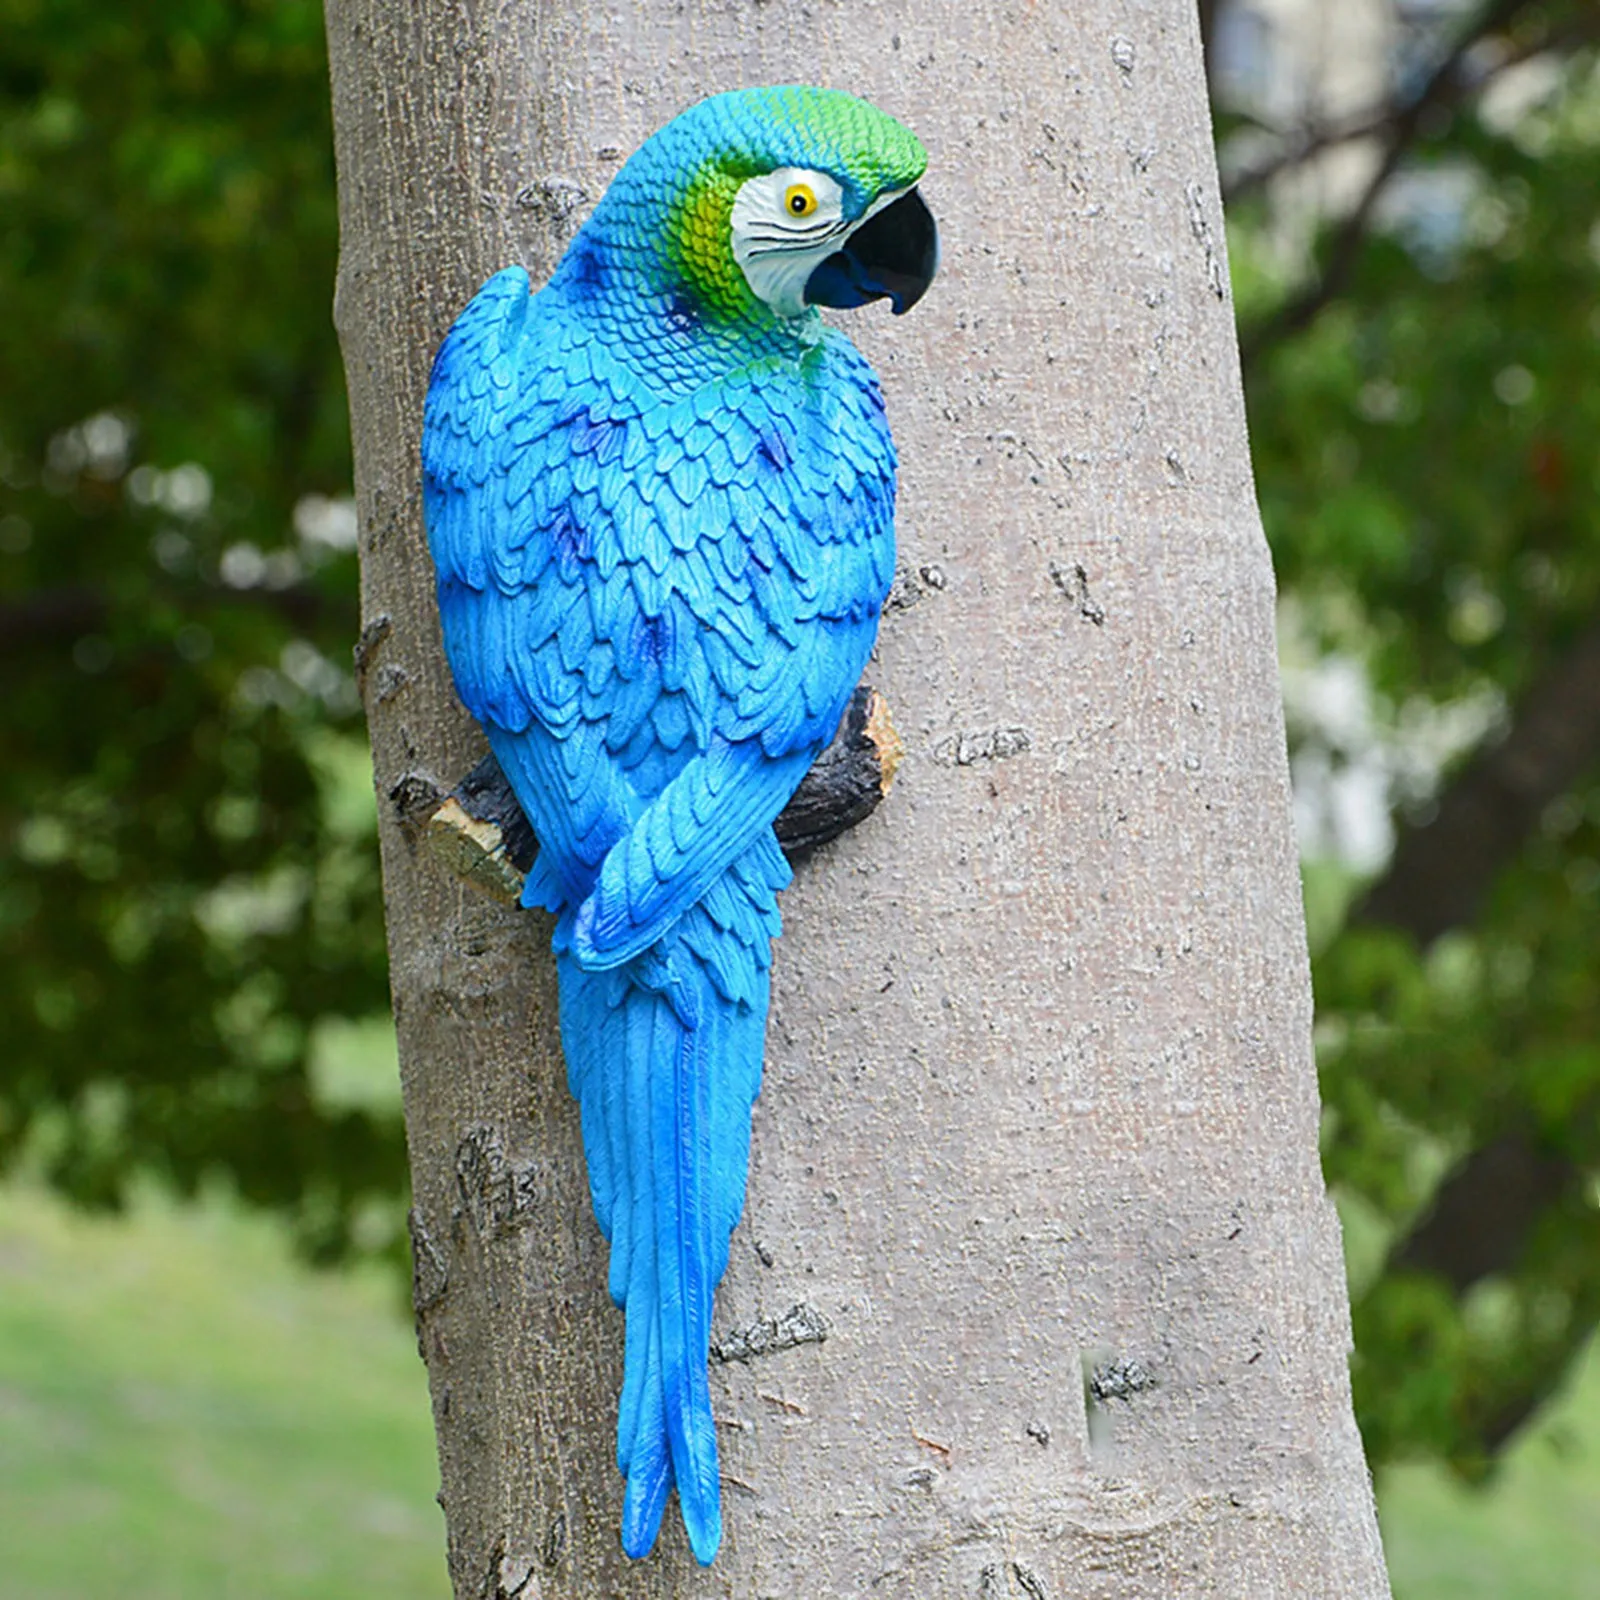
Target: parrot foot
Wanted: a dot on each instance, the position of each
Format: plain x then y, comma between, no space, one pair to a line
478,830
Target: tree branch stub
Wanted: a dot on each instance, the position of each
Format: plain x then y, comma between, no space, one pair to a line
479,832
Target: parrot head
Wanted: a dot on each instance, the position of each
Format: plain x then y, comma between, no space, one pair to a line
762,203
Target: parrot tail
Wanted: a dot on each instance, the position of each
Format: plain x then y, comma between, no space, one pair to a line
664,1055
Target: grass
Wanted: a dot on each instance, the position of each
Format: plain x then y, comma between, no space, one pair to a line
187,1412
1533,1535
184,1412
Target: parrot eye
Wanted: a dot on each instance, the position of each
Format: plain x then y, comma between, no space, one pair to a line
782,225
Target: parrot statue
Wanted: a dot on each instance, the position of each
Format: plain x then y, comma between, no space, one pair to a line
659,497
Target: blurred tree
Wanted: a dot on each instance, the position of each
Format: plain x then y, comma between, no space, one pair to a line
188,884
1423,414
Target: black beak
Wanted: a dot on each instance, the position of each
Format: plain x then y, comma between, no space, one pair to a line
895,255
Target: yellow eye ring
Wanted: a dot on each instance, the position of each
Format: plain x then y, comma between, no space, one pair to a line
799,200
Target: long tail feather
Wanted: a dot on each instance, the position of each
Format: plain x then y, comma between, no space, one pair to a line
648,1465
665,1057
685,1152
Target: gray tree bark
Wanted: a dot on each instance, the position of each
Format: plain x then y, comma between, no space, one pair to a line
1037,1147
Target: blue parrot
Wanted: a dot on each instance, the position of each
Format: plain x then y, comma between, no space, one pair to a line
659,496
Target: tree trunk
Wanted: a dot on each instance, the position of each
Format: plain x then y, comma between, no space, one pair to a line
1038,1291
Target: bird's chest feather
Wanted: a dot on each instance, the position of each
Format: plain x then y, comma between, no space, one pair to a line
684,567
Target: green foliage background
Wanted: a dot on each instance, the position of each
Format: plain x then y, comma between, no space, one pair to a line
189,901
1425,455
184,895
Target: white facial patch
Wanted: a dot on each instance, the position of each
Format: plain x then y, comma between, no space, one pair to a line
785,225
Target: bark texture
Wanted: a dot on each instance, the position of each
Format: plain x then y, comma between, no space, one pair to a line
1038,1292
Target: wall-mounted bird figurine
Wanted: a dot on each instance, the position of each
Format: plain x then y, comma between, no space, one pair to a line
660,501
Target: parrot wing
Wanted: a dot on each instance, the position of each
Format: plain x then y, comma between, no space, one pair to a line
629,586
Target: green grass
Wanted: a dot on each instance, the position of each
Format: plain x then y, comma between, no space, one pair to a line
187,1412
184,1412
1533,1535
